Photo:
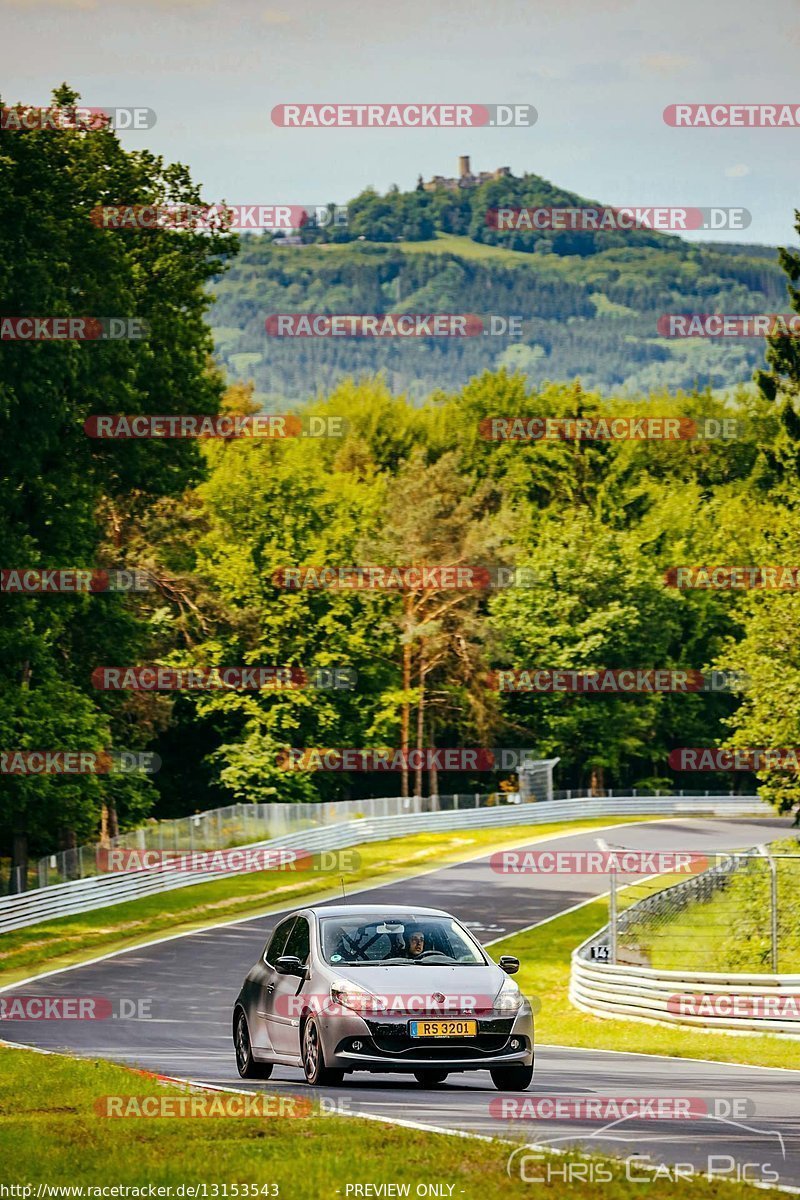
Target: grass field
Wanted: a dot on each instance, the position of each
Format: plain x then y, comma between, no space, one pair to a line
464,247
68,940
52,1133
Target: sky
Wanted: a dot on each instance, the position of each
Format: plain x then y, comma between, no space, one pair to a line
599,74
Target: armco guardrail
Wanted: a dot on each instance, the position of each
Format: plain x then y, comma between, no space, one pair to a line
644,994
251,824
245,824
102,891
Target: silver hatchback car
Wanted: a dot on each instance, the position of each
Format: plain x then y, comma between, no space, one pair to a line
349,987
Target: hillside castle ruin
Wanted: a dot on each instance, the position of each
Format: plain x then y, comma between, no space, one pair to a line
465,177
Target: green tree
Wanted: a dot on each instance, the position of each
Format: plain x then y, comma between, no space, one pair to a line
62,492
769,646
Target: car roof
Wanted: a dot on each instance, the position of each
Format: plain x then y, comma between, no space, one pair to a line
379,910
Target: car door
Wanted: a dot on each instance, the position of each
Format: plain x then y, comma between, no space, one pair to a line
282,999
265,981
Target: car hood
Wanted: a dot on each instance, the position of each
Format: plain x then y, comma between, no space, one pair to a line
416,985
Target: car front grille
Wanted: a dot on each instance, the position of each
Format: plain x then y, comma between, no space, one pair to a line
393,1038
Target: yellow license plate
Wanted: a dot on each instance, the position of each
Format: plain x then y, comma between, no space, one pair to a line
443,1028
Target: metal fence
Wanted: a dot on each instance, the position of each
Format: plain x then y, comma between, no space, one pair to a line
743,913
246,824
243,824
102,890
719,950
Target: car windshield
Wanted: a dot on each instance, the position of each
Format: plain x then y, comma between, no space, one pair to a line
428,941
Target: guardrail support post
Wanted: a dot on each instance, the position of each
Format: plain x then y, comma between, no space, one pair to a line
773,906
764,851
612,914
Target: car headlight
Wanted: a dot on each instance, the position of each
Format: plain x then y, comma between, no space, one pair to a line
353,996
509,999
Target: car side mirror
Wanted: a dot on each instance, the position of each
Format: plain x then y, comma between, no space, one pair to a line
506,963
289,964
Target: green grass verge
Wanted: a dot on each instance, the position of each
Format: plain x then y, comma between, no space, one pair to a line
68,940
51,1133
545,955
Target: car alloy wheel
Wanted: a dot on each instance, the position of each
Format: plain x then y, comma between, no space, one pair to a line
246,1065
314,1059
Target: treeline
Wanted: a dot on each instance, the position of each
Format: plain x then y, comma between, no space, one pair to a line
419,215
597,524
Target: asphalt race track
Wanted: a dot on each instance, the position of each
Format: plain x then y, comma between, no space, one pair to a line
192,980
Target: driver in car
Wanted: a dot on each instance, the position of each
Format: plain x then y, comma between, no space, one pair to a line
416,943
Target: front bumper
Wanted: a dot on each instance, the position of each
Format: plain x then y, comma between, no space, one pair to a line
358,1043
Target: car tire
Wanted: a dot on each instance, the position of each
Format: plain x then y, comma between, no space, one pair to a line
511,1079
430,1078
246,1065
317,1074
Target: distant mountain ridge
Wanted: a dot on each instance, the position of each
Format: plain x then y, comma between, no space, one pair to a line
590,300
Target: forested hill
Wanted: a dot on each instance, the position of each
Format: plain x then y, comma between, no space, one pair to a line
590,300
